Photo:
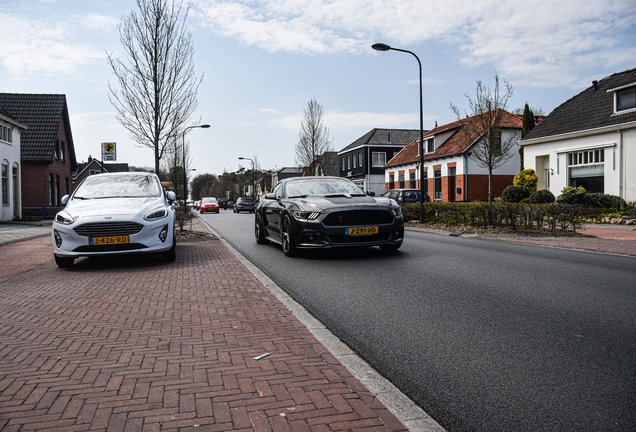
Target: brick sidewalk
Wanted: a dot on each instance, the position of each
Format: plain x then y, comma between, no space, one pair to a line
141,345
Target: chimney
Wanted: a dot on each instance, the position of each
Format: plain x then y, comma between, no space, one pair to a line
90,159
595,84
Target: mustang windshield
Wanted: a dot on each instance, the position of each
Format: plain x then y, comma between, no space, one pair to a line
119,186
298,188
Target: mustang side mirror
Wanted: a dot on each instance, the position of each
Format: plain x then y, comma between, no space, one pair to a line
370,193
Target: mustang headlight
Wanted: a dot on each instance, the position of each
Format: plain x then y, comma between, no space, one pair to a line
397,211
306,215
64,218
158,213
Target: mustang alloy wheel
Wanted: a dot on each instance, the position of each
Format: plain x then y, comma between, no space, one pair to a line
287,238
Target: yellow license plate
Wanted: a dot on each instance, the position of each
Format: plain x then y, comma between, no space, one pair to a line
368,230
108,240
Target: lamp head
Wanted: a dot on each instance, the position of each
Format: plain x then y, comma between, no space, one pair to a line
204,126
380,47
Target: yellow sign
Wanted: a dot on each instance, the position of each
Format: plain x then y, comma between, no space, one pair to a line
109,151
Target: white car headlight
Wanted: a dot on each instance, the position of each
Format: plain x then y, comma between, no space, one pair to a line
158,213
64,218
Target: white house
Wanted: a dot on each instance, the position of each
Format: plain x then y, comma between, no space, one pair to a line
10,131
450,174
589,140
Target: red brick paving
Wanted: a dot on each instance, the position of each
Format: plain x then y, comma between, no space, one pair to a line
136,344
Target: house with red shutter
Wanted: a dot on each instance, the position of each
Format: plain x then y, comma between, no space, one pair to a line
47,152
450,171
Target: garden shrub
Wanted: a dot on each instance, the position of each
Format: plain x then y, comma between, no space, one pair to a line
573,195
542,196
514,194
528,178
606,201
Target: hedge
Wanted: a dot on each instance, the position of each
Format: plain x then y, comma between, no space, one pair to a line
515,216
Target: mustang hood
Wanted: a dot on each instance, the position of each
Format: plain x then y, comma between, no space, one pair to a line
319,203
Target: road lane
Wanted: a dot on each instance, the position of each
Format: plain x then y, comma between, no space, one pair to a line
482,335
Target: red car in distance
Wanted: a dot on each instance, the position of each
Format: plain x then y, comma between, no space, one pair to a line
209,204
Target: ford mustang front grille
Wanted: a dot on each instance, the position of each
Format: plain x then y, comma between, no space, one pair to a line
358,217
108,228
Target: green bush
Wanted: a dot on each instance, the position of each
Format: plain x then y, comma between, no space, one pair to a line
528,178
514,194
573,195
542,196
606,201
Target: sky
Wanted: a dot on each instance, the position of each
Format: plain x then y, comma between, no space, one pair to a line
262,61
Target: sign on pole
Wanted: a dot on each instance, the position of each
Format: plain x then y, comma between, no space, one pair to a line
109,151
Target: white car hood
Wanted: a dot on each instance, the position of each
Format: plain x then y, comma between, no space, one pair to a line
112,206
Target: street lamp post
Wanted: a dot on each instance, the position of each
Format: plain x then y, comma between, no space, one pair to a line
253,176
384,47
185,178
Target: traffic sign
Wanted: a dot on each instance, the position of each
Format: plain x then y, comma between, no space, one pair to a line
109,151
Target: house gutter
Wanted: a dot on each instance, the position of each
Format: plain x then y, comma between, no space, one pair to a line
577,134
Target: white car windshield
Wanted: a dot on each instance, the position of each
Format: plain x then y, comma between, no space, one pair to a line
119,186
326,187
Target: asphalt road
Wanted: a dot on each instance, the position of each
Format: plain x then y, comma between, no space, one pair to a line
483,335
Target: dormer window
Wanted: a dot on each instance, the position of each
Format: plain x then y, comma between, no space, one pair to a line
626,99
430,145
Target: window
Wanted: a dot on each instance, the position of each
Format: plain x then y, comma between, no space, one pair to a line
51,189
430,145
391,181
355,161
626,99
62,151
438,184
494,140
425,181
412,183
360,159
587,169
378,159
5,133
343,164
401,180
57,150
5,184
349,162
93,172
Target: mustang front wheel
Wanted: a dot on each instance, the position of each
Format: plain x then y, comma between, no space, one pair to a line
287,238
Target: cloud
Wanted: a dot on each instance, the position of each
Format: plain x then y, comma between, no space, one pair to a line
31,47
541,43
338,121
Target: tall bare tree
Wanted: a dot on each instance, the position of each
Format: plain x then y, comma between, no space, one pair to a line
157,84
491,149
313,139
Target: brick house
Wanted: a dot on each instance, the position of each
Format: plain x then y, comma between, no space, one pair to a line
46,149
363,160
589,140
10,132
449,172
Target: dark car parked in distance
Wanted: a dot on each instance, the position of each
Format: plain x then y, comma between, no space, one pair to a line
245,204
223,203
325,212
405,196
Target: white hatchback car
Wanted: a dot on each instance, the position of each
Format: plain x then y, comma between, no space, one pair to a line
114,214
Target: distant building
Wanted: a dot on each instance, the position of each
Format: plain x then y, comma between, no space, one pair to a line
449,172
286,172
93,166
363,160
